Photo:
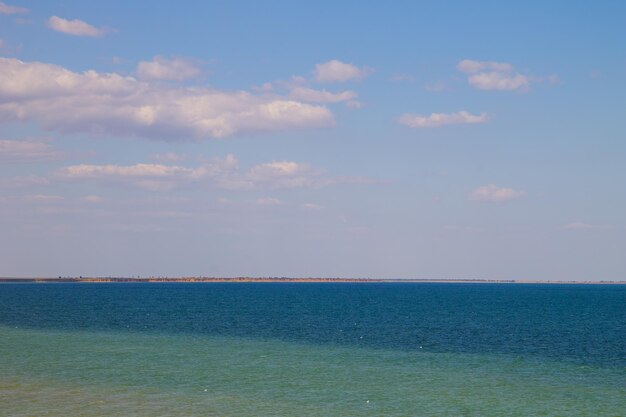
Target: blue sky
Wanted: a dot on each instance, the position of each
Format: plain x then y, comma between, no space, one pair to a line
415,140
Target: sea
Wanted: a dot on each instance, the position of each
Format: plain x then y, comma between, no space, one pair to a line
312,349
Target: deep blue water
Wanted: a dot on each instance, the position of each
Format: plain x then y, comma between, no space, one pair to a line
583,324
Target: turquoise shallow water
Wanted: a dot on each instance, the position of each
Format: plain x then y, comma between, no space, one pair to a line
64,373
58,358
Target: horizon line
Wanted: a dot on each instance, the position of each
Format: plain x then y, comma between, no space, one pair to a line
243,279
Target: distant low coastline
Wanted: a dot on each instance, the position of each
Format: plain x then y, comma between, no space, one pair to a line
288,280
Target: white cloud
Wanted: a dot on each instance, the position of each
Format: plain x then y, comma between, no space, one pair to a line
493,193
441,119
6,9
278,168
320,96
469,66
108,103
298,87
74,27
221,173
154,177
285,174
498,81
27,150
132,171
489,75
337,71
161,68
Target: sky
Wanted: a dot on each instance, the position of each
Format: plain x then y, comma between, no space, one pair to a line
430,139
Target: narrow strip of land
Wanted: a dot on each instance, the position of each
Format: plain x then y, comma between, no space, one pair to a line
288,279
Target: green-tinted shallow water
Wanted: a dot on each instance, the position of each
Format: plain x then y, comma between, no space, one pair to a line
312,350
51,372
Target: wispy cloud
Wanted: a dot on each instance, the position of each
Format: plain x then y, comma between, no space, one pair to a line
336,71
132,171
109,103
23,181
283,174
31,199
435,86
494,193
585,226
312,206
161,68
300,88
92,199
155,177
441,119
27,150
354,104
74,27
269,201
401,77
471,67
320,96
489,75
223,173
6,9
498,81
168,157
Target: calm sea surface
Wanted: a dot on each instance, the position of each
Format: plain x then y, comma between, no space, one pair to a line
218,349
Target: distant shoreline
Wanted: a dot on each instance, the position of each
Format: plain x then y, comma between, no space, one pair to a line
289,280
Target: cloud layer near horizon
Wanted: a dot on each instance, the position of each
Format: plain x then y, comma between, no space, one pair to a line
109,103
223,173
